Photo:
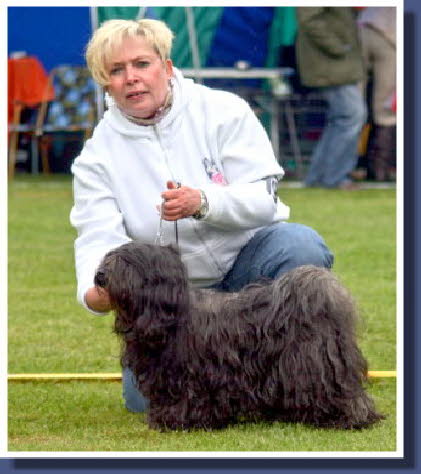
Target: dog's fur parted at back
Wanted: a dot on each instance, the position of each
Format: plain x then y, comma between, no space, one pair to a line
281,350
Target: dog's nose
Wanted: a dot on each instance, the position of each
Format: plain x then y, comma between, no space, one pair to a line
100,279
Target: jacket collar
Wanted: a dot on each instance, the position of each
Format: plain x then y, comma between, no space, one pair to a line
180,98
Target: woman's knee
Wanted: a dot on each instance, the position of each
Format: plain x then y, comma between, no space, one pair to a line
302,245
273,251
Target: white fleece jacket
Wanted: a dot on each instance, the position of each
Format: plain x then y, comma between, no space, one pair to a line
209,140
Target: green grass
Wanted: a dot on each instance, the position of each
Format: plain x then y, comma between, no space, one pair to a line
50,333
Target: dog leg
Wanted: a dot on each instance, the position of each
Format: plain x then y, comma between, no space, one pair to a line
194,412
321,370
323,384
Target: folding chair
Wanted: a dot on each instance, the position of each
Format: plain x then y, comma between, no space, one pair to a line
72,110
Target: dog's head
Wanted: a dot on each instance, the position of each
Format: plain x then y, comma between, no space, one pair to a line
147,285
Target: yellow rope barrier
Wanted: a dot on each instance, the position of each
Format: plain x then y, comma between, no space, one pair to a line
116,377
382,373
63,377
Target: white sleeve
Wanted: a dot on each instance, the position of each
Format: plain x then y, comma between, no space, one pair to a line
247,158
97,219
243,206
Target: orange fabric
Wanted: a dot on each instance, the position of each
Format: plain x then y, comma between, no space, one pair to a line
27,83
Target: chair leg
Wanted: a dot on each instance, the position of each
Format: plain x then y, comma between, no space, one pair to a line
44,145
293,136
13,141
12,153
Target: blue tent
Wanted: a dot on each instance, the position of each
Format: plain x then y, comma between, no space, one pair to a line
55,35
213,36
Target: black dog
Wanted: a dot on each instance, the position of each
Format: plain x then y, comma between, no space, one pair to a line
280,350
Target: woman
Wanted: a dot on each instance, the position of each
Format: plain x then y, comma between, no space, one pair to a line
183,162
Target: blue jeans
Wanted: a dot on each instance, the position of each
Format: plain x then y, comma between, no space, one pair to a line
336,153
272,251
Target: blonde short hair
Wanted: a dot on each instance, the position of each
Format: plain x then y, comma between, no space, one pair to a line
110,35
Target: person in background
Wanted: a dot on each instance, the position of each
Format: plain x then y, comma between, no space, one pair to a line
174,162
329,58
378,39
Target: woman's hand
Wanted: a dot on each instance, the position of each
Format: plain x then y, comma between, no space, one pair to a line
179,202
98,300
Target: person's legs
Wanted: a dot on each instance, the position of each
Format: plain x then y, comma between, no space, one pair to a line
381,152
335,155
382,144
274,250
133,399
384,79
317,165
347,115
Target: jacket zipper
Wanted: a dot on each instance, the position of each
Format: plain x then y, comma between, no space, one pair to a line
194,224
158,136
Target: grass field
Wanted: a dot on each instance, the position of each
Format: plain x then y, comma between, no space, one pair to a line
50,333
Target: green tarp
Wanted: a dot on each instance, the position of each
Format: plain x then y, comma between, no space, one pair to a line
206,21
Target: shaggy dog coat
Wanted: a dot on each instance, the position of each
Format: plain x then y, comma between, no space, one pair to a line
281,350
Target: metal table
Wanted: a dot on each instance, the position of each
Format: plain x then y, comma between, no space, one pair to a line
258,73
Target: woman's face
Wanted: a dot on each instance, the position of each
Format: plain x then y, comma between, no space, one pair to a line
138,78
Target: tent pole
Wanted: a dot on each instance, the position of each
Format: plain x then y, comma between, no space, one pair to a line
142,13
99,93
193,42
93,11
